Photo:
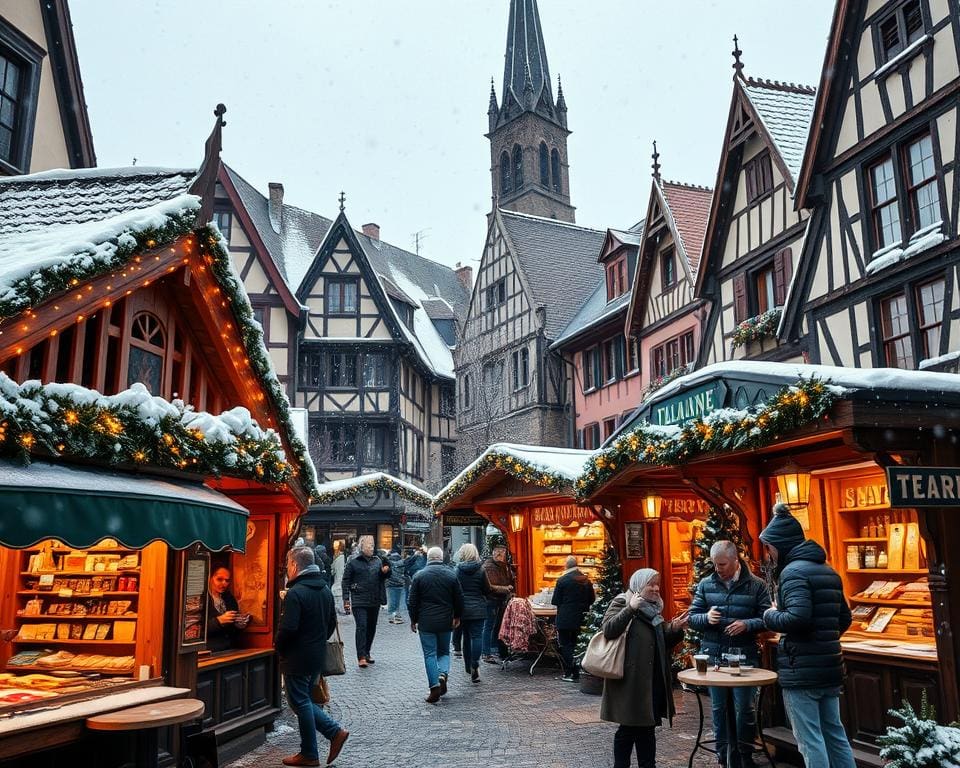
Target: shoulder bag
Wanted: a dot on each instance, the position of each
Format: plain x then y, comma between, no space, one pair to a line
604,658
334,664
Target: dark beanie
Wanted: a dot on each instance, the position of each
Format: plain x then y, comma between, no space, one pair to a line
783,532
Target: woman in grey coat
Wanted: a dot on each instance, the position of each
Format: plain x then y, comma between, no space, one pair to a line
643,697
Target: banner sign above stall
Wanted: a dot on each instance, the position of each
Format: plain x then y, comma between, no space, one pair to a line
563,514
464,518
924,486
692,404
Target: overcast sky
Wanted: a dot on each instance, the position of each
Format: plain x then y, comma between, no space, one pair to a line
387,100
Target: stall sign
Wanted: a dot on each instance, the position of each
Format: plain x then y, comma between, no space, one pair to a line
562,515
695,403
193,617
684,507
464,518
863,492
924,486
634,540
422,526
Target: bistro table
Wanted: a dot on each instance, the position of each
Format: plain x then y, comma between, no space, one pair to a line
546,616
722,678
146,720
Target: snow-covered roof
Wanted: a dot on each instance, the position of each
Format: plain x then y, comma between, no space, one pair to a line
354,486
594,311
786,111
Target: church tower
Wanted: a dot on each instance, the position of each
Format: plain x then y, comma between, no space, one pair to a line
528,130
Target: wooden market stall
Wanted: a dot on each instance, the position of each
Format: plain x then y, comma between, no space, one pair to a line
822,439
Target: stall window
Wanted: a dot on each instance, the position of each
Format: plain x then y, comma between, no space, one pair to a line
147,348
341,297
342,369
895,320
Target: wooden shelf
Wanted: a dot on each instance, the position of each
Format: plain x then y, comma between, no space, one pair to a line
867,508
569,539
73,617
895,572
863,540
95,551
50,670
55,641
894,602
75,595
79,573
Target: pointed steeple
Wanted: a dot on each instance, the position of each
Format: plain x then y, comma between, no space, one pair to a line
526,56
528,96
493,110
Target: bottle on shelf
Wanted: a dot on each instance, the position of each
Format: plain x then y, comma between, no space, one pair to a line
864,529
881,528
872,527
882,558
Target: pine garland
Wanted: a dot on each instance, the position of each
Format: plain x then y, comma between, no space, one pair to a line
608,587
378,481
755,328
722,430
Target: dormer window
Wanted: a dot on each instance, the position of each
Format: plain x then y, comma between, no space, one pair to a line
899,29
341,297
668,269
759,176
496,294
20,62
616,278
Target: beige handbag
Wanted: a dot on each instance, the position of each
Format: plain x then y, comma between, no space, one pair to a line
604,658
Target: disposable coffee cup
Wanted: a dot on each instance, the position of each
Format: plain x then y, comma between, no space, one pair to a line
701,660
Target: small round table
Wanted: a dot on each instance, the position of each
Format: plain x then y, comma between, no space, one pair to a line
146,719
546,616
721,678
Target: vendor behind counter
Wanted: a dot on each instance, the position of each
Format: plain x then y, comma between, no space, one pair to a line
225,623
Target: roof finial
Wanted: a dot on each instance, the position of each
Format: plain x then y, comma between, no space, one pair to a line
656,161
561,102
343,197
737,53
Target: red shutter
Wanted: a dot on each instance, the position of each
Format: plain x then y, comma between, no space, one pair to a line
782,272
740,297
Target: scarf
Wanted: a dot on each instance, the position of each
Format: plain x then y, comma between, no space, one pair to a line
651,610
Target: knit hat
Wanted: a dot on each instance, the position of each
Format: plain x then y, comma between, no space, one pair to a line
783,532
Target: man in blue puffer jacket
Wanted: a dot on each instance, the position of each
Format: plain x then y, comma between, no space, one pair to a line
810,614
727,611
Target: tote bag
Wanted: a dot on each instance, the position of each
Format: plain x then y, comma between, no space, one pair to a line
604,658
334,663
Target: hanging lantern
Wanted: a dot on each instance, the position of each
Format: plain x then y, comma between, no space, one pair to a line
793,483
516,521
651,508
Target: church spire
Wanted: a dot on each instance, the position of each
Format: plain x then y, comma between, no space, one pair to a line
525,60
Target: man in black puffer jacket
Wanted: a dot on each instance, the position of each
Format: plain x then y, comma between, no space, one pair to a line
573,597
363,594
810,614
727,611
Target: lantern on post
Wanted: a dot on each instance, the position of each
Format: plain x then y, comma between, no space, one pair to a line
516,520
652,505
793,483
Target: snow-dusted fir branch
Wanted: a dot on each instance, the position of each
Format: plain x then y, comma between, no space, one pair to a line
755,328
920,742
338,490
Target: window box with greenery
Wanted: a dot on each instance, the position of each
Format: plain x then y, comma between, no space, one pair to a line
752,329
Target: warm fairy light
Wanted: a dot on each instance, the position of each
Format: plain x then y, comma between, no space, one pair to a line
107,303
151,243
71,417
24,327
139,456
74,281
53,332
27,440
79,318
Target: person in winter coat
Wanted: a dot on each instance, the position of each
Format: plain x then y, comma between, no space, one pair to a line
727,610
396,585
642,697
476,588
573,595
810,613
307,622
336,572
324,563
501,579
363,588
436,607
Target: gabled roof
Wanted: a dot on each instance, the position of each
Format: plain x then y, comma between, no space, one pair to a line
785,110
554,257
595,310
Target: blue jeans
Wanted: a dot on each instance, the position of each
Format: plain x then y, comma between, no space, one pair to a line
436,655
745,709
490,644
394,598
472,642
815,719
310,717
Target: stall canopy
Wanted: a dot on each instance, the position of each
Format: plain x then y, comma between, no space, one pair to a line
83,506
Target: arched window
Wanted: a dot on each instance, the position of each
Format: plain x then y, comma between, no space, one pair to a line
555,167
517,167
147,348
544,166
505,178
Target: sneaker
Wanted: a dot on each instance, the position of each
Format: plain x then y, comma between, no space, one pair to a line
336,744
362,663
398,620
457,654
568,679
475,675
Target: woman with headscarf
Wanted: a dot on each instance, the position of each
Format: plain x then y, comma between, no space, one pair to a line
643,697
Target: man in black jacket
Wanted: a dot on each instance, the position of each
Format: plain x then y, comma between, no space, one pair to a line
436,606
727,610
363,594
308,620
810,614
573,597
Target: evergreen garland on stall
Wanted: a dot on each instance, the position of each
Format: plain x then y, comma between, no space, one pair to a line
337,490
608,587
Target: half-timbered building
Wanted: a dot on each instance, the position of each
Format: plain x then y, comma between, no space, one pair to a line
361,333
876,281
754,234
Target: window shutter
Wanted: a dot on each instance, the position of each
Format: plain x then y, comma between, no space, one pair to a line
750,172
596,435
598,367
621,354
782,272
740,297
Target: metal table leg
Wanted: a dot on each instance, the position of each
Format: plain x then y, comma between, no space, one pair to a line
763,742
696,743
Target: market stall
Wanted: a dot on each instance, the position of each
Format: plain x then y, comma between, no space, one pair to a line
821,440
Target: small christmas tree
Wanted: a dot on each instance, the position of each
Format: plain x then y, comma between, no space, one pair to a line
920,742
609,586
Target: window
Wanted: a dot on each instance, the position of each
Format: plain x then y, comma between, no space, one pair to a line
521,368
759,175
591,436
517,168
506,184
493,378
497,293
555,170
590,377
448,401
342,369
260,314
448,460
898,30
610,360
672,354
885,212
418,456
544,166
404,312
146,353
609,427
334,444
895,324
930,315
922,186
633,355
10,105
763,289
311,366
466,384
616,279
20,61
376,369
341,297
668,269
224,221
376,444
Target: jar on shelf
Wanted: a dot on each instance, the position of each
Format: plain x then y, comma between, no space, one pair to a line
882,558
870,556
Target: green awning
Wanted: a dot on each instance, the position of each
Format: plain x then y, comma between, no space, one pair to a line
82,506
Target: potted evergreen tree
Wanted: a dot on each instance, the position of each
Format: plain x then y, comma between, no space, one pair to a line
920,742
608,587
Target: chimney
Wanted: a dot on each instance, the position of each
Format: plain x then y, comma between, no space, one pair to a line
465,276
276,206
372,231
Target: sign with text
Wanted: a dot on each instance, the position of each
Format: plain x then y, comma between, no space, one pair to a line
561,515
692,404
684,507
633,538
464,518
924,486
861,492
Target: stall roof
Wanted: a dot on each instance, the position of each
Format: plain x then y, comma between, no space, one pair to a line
83,506
338,490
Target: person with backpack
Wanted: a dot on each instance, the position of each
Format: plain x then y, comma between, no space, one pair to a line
396,585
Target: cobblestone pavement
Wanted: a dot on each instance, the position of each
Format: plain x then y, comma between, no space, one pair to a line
508,720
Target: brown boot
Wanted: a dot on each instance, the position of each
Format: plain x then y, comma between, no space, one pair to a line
443,685
299,759
336,744
434,696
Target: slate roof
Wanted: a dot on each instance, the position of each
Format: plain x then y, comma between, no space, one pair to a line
559,261
63,197
690,207
595,310
786,110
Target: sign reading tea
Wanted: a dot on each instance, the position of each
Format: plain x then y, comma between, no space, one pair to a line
924,486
